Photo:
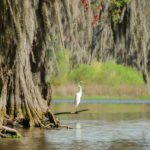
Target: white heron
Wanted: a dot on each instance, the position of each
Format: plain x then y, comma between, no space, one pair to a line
78,96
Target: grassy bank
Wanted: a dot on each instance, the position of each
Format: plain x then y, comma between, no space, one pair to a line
95,91
103,80
147,97
108,73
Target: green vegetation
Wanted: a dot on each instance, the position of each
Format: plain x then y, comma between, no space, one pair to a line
14,136
98,72
116,9
106,73
61,66
110,80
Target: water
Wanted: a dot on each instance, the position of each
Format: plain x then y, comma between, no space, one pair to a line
105,101
105,126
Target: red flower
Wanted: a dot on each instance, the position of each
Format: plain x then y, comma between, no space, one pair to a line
96,16
84,1
100,7
94,21
87,6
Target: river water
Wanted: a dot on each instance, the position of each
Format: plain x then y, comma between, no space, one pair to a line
105,126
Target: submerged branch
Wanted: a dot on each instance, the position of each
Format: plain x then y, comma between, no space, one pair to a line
65,126
76,112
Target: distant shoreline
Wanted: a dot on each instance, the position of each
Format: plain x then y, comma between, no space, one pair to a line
110,101
144,97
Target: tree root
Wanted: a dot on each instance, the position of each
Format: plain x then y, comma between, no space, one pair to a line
8,132
65,126
47,126
3,135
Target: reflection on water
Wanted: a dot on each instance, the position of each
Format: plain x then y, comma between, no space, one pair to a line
78,132
103,127
102,135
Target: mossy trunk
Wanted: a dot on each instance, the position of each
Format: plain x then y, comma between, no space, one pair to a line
24,94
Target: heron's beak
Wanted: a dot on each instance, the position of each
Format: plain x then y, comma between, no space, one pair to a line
83,82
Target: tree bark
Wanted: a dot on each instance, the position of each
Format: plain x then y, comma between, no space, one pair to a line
24,95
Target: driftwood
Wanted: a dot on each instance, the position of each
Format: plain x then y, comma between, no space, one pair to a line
76,112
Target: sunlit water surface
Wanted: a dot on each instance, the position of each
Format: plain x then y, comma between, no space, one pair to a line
105,126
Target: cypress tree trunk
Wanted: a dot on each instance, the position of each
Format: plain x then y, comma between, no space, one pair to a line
24,94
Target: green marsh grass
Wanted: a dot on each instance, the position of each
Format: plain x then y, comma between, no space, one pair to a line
105,73
102,79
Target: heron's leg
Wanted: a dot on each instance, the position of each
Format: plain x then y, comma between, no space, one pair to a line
76,109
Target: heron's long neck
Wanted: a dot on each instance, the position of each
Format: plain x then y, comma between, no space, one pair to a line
80,89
